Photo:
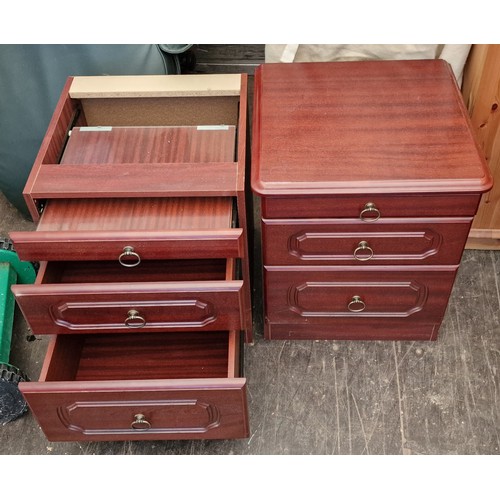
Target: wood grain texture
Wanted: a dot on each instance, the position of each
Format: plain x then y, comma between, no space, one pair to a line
317,295
137,181
370,126
52,145
154,356
93,388
142,214
70,308
341,153
395,205
480,91
149,168
335,398
99,229
228,58
297,242
149,145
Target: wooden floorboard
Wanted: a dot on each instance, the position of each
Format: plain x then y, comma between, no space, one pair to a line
337,398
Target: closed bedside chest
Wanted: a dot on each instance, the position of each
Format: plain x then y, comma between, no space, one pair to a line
369,178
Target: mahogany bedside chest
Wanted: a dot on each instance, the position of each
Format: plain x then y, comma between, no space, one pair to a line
139,194
369,177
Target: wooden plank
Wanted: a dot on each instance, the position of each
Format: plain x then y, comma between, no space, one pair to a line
155,86
480,91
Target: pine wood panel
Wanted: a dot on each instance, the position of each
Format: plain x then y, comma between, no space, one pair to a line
154,86
481,95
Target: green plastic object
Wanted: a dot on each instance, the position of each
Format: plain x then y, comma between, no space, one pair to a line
12,270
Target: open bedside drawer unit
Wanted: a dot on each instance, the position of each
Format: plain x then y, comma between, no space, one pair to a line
144,282
147,386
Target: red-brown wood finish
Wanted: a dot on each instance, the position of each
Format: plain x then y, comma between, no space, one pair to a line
396,205
156,345
317,296
395,329
96,305
298,242
137,181
142,161
53,144
93,388
358,127
374,160
244,203
98,145
155,228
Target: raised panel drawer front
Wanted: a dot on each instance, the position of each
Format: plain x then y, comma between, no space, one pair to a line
346,241
61,303
141,388
320,296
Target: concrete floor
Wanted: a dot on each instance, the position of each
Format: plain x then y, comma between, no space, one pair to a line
334,398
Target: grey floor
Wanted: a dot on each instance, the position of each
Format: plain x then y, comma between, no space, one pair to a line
337,398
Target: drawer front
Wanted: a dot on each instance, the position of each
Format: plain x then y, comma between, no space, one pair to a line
353,242
105,411
338,206
154,386
324,296
138,307
128,247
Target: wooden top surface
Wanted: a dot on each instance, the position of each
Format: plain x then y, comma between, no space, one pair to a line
359,127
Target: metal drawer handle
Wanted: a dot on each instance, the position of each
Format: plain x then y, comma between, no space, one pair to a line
134,319
140,423
370,213
356,304
363,251
129,252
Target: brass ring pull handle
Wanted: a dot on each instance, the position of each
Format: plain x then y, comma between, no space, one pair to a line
370,213
363,251
134,319
356,304
140,423
129,252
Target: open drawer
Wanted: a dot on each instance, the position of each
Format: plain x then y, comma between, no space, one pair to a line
179,386
130,230
104,297
134,226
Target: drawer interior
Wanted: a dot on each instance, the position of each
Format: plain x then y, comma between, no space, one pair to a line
150,356
147,271
137,214
101,145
